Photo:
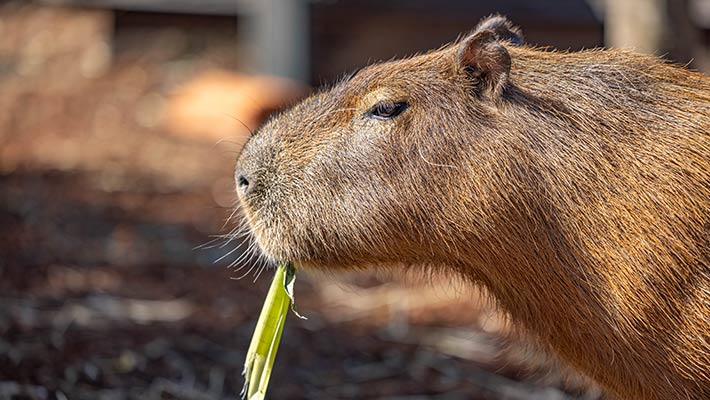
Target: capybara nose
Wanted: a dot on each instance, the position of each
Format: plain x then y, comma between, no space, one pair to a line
245,184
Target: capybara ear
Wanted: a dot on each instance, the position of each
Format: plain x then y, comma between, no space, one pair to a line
502,28
486,61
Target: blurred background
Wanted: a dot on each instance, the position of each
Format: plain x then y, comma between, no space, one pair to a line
120,122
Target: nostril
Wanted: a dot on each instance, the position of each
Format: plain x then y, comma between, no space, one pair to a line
243,184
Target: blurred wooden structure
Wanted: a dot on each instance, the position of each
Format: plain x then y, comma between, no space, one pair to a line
318,41
677,29
273,33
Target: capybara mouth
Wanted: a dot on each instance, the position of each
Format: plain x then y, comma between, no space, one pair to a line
279,242
263,236
274,240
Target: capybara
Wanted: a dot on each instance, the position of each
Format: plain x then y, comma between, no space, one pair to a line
574,186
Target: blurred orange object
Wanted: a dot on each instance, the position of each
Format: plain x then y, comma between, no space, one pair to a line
222,105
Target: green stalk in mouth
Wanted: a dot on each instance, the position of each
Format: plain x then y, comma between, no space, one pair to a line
267,335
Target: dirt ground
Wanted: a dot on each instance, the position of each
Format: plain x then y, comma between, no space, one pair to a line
105,295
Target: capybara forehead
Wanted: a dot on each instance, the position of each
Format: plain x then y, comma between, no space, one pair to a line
423,79
406,74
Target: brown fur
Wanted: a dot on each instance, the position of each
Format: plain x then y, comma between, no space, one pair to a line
574,186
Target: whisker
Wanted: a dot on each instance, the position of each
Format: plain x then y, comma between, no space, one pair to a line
245,256
208,244
245,274
229,219
259,271
226,255
251,132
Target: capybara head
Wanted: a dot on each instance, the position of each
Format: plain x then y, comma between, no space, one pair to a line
372,169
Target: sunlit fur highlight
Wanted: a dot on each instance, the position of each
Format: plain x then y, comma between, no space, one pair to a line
573,185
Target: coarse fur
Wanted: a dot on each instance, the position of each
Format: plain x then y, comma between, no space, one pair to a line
575,186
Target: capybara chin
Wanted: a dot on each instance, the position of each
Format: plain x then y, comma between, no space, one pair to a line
575,186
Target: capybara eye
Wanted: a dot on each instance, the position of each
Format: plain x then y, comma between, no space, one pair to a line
387,110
